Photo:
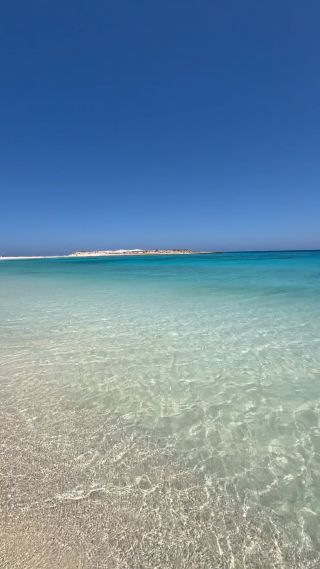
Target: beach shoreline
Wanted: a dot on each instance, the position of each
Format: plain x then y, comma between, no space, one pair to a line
112,253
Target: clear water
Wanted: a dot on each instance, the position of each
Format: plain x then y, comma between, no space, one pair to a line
180,393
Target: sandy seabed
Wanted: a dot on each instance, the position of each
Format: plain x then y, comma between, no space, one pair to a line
80,491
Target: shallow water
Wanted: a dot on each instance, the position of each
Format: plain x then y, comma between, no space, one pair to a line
188,386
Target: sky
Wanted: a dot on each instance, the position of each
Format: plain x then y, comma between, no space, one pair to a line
156,124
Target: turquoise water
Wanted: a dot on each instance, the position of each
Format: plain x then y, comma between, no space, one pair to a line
212,361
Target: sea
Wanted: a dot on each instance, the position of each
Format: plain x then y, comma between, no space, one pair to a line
160,411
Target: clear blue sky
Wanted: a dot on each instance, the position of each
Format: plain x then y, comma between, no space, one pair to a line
153,124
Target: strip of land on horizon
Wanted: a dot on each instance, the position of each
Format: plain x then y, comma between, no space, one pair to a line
112,252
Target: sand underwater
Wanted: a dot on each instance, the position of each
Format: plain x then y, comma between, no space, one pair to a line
160,412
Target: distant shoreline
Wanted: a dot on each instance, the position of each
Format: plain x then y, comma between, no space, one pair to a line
113,253
142,252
